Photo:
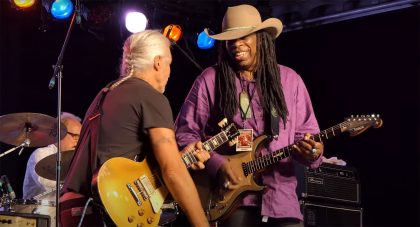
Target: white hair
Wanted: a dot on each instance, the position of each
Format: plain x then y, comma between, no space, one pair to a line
140,49
66,115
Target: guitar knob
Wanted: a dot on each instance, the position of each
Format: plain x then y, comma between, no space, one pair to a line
130,219
141,212
150,220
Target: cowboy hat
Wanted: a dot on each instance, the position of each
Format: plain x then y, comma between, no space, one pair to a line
242,20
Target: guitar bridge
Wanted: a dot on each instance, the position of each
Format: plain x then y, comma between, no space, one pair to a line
134,194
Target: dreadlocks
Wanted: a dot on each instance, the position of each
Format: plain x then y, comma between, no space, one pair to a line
267,76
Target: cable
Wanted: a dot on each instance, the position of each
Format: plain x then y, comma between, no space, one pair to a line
84,212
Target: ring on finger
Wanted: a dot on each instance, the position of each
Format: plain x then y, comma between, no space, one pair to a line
313,151
226,184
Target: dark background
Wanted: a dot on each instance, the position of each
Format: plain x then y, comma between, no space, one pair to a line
361,66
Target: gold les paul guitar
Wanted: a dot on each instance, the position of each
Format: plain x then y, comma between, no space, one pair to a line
220,202
133,192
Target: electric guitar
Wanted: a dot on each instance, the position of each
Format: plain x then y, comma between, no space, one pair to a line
220,202
133,193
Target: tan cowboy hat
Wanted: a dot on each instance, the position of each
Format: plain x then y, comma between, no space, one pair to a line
242,20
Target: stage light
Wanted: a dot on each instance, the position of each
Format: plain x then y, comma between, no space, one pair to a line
204,41
59,9
173,32
135,22
23,4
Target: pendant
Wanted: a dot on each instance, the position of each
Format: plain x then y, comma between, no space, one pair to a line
244,102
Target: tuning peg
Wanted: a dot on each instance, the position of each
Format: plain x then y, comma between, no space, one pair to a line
222,123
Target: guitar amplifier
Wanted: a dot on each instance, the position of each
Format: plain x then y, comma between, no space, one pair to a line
321,215
24,219
329,182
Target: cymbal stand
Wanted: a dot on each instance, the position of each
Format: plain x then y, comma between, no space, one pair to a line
58,67
24,144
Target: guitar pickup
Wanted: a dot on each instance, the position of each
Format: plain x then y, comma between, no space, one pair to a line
141,189
147,185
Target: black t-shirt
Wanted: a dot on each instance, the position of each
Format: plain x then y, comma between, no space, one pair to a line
128,111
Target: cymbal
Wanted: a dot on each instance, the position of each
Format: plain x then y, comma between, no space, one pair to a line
39,129
46,168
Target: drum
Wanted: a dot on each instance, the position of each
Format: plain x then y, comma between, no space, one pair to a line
169,213
31,206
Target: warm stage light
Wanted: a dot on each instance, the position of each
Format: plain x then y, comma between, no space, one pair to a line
204,41
23,4
135,22
173,32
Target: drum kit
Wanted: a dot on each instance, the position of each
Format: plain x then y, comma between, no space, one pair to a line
31,130
37,130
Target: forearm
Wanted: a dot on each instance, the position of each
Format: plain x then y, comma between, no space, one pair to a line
176,176
183,190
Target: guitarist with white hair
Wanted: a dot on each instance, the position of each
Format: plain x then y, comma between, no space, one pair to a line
131,118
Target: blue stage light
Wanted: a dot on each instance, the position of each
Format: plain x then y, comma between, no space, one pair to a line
204,41
61,9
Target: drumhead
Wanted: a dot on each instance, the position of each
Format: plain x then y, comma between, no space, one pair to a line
42,202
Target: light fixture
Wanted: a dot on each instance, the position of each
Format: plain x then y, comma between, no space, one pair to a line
204,42
173,32
59,9
135,22
23,4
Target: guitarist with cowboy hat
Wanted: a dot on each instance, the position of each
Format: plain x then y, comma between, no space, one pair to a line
250,88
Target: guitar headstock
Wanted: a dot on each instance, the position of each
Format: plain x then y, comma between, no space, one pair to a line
230,130
359,123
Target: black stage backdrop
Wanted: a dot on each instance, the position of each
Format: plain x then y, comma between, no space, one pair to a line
362,66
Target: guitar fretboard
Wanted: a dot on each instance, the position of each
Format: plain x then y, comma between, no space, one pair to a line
189,159
274,157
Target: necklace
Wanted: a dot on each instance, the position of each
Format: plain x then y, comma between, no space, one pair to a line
245,97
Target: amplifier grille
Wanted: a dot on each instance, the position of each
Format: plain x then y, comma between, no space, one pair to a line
332,182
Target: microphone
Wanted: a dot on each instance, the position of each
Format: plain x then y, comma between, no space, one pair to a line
52,82
77,11
8,187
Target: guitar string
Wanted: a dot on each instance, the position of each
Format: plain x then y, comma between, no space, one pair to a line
257,163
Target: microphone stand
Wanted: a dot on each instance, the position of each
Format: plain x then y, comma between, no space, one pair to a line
58,68
186,55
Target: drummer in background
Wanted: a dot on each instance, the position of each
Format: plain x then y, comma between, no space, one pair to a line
35,185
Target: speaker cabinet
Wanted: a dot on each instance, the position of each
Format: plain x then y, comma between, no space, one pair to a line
322,215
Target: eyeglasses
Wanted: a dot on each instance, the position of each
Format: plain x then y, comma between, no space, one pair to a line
75,136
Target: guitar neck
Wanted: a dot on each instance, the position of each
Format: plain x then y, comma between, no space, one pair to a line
189,159
274,157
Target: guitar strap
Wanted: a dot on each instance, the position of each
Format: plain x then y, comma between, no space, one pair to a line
94,120
273,124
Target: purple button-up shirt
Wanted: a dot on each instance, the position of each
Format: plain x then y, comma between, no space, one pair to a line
193,123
